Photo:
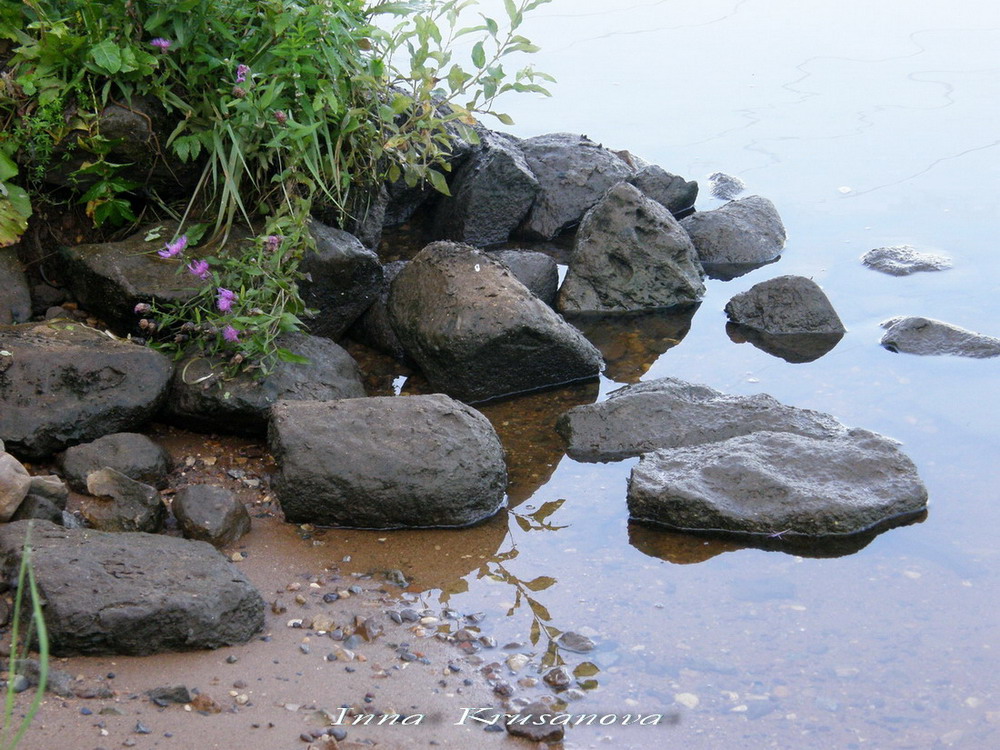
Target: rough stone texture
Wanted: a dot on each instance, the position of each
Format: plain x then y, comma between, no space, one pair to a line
66,384
490,194
786,304
926,336
200,399
135,593
537,271
671,413
15,299
132,454
343,280
210,514
374,327
15,481
779,483
573,173
902,260
51,488
388,462
630,254
477,333
124,504
745,231
674,193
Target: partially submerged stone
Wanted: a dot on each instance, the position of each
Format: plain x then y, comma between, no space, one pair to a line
131,453
902,260
387,462
915,335
771,483
783,305
133,593
746,231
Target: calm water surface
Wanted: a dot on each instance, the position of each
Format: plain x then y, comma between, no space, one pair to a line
867,124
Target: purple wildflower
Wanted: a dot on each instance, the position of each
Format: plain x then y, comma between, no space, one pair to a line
173,248
242,71
280,116
272,242
239,92
142,308
199,268
225,300
161,44
230,334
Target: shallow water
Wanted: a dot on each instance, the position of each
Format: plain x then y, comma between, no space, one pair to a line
867,125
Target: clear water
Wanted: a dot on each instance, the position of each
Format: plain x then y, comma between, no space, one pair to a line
868,124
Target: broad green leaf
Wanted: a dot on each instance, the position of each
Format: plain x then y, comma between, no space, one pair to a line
478,55
287,356
504,118
541,583
15,208
7,167
107,56
438,182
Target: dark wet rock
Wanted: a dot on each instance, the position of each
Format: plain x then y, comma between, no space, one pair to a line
210,514
573,173
477,333
132,454
558,677
791,347
134,593
15,299
902,260
783,305
386,462
367,216
537,271
50,487
374,327
571,641
66,384
671,413
123,504
343,280
916,335
490,194
674,193
772,483
630,254
201,398
631,342
35,506
535,722
725,186
746,231
15,481
44,297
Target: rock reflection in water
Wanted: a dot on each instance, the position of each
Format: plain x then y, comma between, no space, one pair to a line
632,342
730,271
795,348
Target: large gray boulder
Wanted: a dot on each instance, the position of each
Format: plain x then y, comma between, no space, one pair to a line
490,194
778,483
387,462
915,335
132,454
63,383
784,305
671,413
15,299
745,232
342,279
674,193
133,593
201,398
477,333
630,254
902,260
573,173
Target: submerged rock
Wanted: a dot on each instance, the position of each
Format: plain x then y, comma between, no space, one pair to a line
902,260
132,454
926,336
725,186
779,483
387,462
746,231
133,593
783,305
477,333
671,413
630,254
63,383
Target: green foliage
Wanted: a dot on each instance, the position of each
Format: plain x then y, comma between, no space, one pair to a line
278,105
15,205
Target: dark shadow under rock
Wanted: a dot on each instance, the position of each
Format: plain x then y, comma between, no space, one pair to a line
730,271
916,335
676,547
791,347
374,328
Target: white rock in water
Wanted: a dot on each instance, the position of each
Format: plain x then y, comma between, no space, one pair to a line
902,260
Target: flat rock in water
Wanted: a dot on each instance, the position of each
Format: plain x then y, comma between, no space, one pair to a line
779,483
902,260
630,254
210,514
477,332
200,398
133,593
63,383
745,231
15,299
131,453
786,304
671,413
386,462
926,336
